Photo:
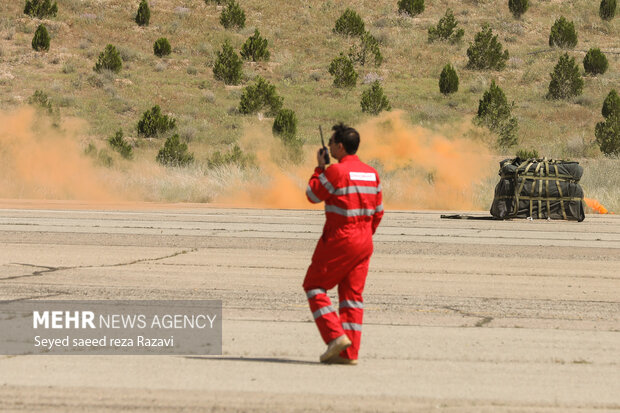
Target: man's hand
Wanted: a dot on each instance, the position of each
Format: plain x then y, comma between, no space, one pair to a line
320,158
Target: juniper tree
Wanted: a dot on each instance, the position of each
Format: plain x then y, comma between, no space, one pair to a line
344,74
109,59
595,62
518,7
285,125
607,10
174,153
445,29
374,100
228,65
608,132
411,7
349,24
563,34
40,8
41,39
120,145
153,122
161,47
566,80
255,48
494,112
448,80
611,104
368,49
232,16
143,16
258,96
486,52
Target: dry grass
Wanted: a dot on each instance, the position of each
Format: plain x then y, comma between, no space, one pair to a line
183,83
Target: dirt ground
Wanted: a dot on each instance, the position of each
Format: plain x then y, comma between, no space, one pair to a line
461,315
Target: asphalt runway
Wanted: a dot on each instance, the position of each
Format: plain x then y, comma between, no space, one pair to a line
460,315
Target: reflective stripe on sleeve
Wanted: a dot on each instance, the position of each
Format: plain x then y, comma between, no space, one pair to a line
379,208
311,195
316,291
352,326
349,212
351,304
326,184
322,311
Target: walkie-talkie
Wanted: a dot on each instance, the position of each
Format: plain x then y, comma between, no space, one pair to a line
325,151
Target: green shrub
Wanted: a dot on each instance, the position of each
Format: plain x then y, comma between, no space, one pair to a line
258,96
285,126
161,47
349,24
228,65
494,112
518,7
607,10
255,48
41,39
232,16
120,145
40,8
527,154
563,34
109,59
368,47
374,100
411,7
214,1
611,105
486,52
40,99
344,74
566,80
174,153
608,135
234,156
153,122
595,62
144,14
448,80
445,29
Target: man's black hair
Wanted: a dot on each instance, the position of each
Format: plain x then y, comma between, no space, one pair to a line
349,137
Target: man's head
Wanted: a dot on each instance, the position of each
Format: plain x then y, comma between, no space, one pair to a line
344,141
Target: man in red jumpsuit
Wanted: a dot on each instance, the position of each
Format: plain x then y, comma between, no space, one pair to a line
353,210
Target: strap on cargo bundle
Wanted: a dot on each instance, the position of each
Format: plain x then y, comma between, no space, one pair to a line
561,194
527,168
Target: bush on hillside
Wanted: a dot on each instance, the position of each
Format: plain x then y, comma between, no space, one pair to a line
368,49
518,7
445,29
234,156
109,59
611,104
486,51
144,14
255,48
563,34
232,16
411,7
174,153
40,99
228,65
285,126
374,100
344,74
566,80
595,62
161,47
120,145
41,39
40,8
608,135
494,112
260,95
153,122
525,154
448,80
349,24
607,10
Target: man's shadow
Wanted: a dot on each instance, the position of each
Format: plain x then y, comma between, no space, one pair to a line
254,360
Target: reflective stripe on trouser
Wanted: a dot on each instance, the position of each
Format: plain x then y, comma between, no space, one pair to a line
341,263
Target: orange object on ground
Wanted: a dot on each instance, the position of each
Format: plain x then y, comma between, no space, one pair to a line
596,206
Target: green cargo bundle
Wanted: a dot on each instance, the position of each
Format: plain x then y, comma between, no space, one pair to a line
539,189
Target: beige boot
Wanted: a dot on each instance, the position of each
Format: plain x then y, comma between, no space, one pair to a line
334,348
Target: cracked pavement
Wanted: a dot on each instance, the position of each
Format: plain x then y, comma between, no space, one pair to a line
461,315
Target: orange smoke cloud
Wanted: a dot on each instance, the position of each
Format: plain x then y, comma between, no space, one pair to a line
40,161
596,206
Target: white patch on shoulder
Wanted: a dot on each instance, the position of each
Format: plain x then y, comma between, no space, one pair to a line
363,176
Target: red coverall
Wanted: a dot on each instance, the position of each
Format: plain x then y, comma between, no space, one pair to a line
353,210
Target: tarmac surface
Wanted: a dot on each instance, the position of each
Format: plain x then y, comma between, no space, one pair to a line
460,315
